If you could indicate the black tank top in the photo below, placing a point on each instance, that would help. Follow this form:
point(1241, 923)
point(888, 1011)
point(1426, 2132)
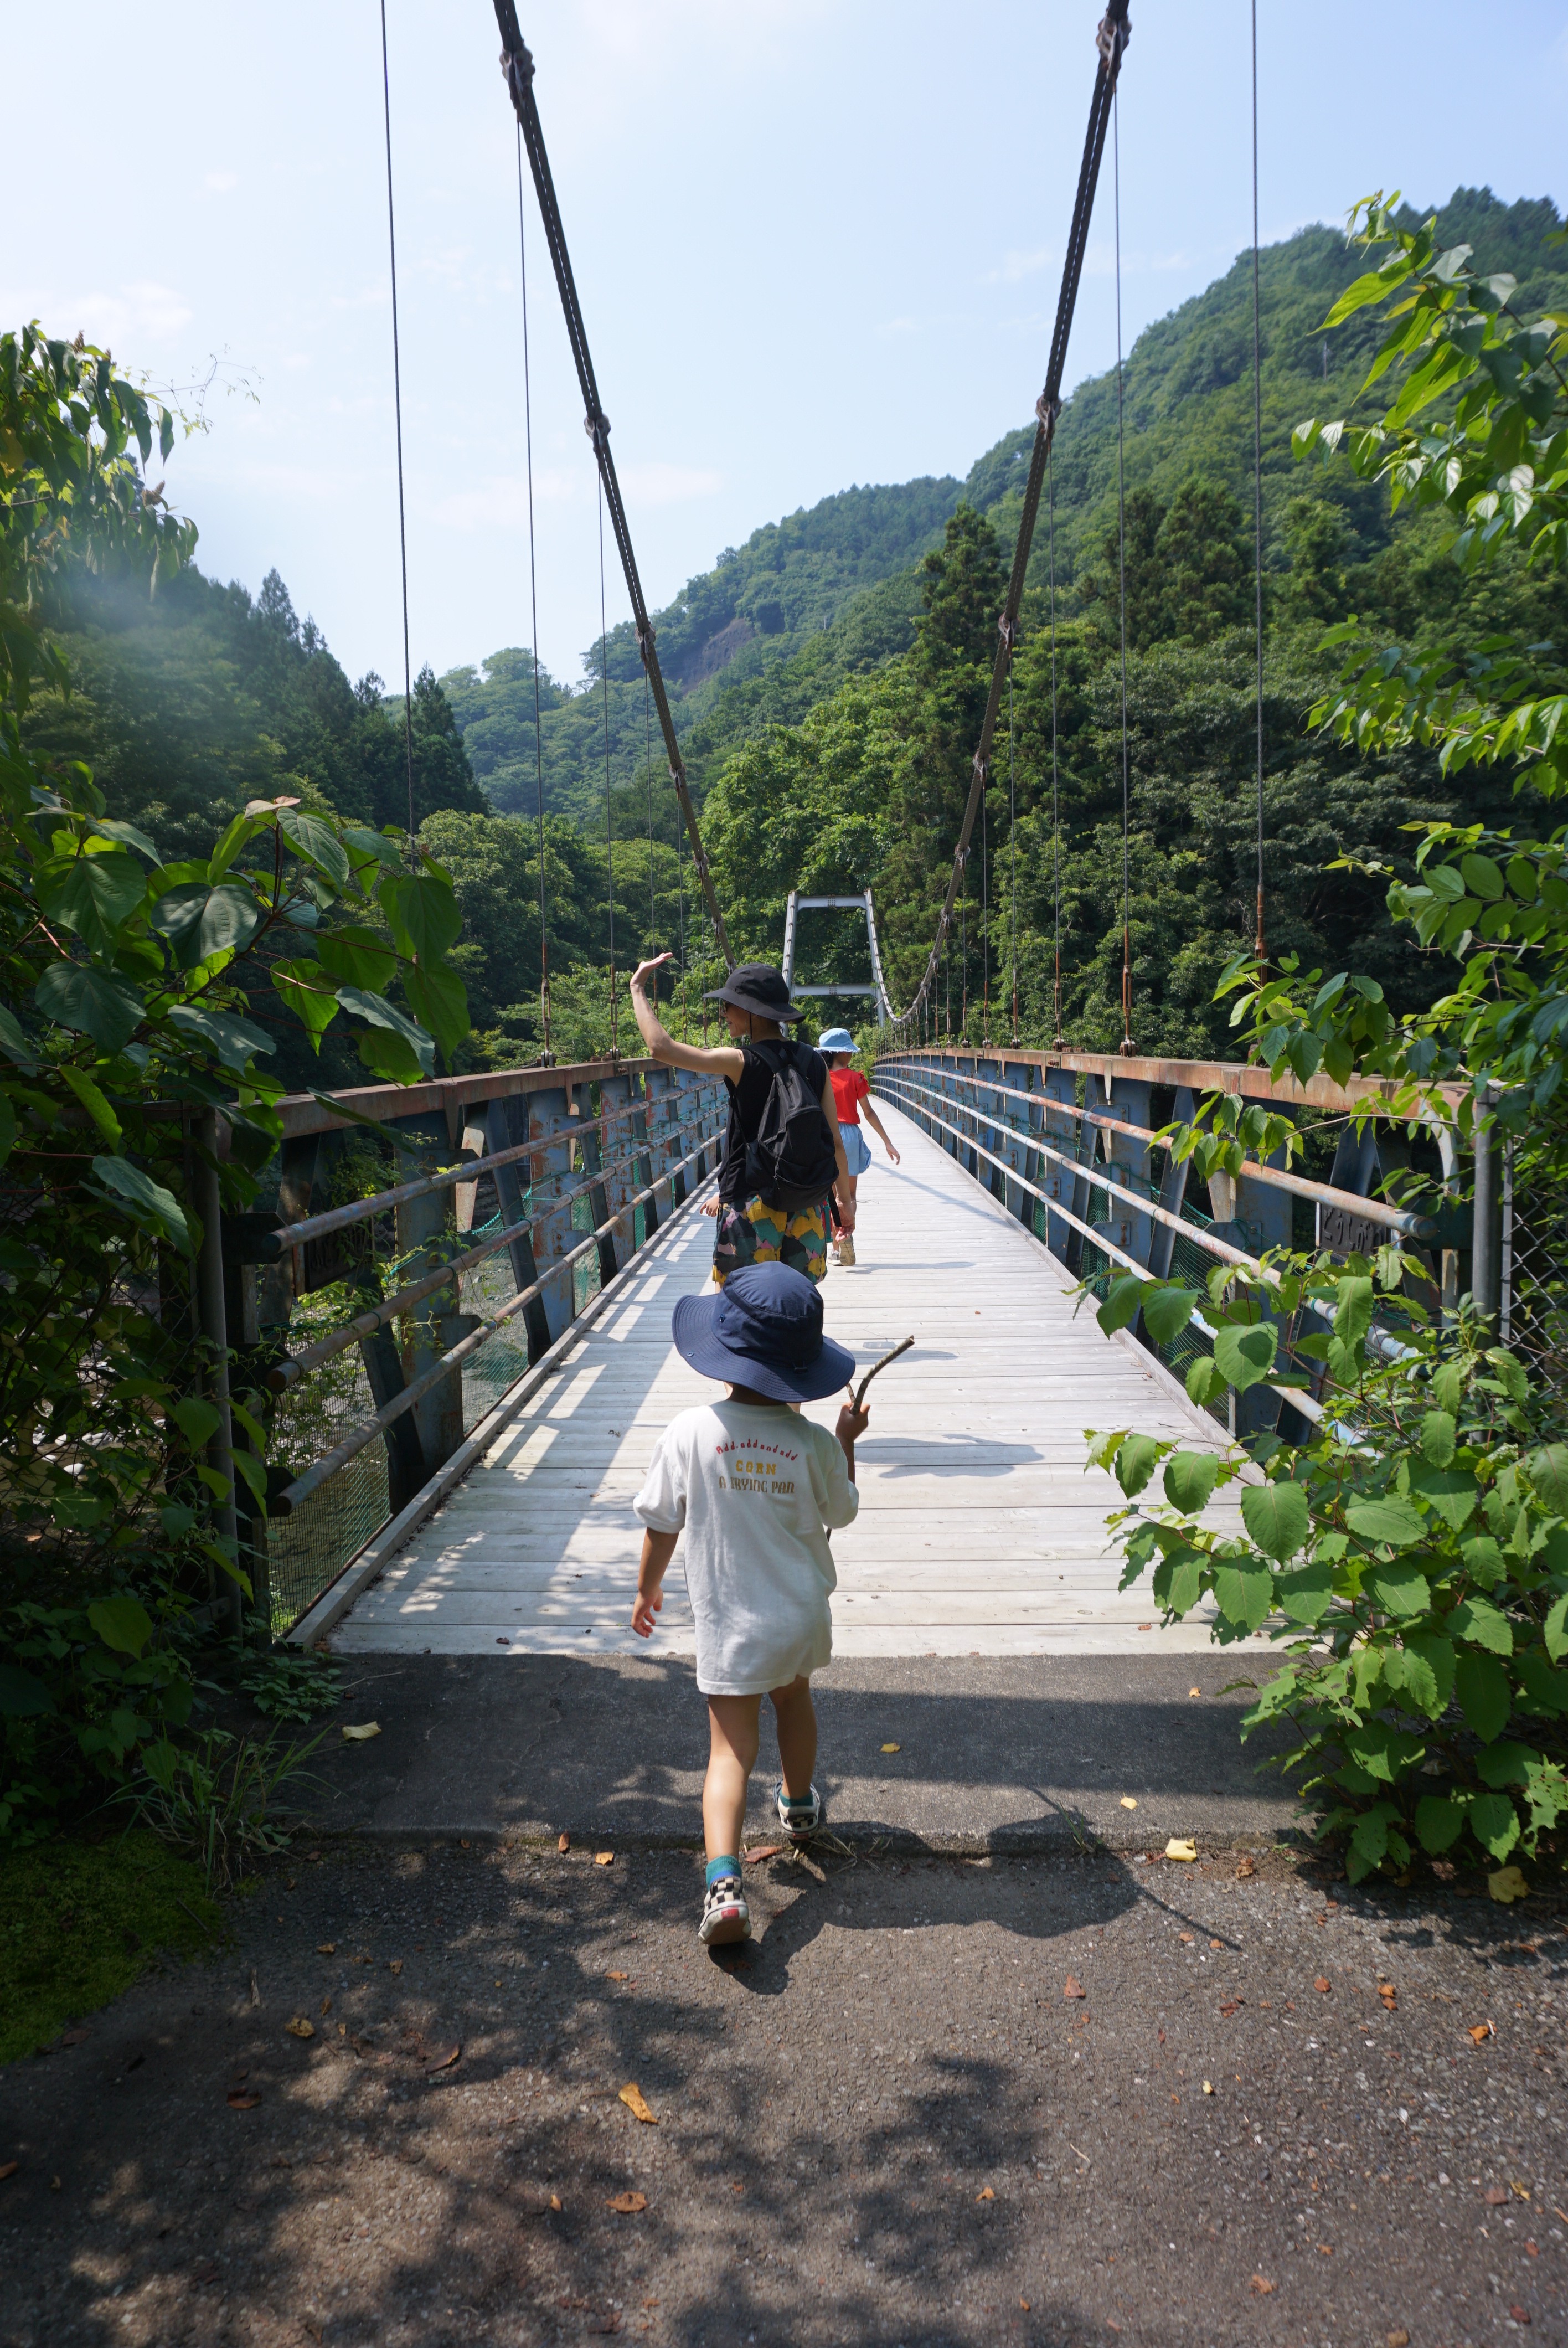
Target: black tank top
point(748, 1099)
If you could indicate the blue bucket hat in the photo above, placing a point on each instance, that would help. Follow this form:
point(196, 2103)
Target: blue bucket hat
point(764, 1330)
point(835, 1039)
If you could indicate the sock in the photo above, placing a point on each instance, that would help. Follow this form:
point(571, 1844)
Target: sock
point(727, 1865)
point(797, 1801)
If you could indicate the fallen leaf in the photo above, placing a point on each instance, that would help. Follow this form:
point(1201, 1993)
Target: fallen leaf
point(1217, 1944)
point(443, 2057)
point(1024, 2305)
point(1495, 2196)
point(241, 2101)
point(892, 1748)
point(1325, 2249)
point(565, 1843)
point(394, 1964)
point(75, 2037)
point(627, 2204)
point(985, 2194)
point(308, 2324)
point(1400, 2339)
point(1145, 1626)
point(611, 2322)
point(1481, 2030)
point(1246, 1869)
point(1520, 2314)
point(9, 2168)
point(361, 1734)
point(1181, 1847)
point(1506, 1884)
point(1195, 1691)
point(326, 1948)
point(1128, 1803)
point(300, 2028)
point(768, 1851)
point(1262, 2285)
point(636, 2103)
point(1321, 1986)
point(618, 1976)
point(555, 2201)
point(1073, 1987)
point(1208, 2088)
point(1232, 2006)
point(604, 1859)
point(1187, 1936)
point(327, 2006)
point(737, 2188)
point(1522, 2190)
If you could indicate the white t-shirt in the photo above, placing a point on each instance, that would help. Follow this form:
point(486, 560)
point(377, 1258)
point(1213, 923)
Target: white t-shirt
point(754, 1488)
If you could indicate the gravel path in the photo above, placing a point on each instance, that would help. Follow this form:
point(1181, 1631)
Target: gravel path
point(892, 2122)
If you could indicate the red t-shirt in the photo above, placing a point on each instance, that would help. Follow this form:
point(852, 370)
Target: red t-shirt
point(849, 1089)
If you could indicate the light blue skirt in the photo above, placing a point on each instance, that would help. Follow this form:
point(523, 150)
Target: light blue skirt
point(855, 1148)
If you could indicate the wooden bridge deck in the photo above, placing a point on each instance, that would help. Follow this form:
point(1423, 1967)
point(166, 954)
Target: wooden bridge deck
point(979, 1532)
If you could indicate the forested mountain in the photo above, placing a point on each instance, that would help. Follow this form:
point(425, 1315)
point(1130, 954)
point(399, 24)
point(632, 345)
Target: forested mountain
point(827, 679)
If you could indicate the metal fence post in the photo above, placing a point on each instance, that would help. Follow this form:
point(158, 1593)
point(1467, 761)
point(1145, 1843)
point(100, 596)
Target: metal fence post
point(215, 1332)
point(1486, 1253)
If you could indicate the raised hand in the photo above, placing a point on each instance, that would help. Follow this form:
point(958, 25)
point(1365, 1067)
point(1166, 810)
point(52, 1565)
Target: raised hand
point(643, 968)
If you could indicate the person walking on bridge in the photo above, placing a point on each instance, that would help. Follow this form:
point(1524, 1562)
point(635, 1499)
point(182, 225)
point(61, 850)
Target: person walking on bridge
point(784, 1151)
point(850, 1090)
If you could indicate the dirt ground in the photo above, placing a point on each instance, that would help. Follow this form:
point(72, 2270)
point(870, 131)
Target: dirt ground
point(893, 2121)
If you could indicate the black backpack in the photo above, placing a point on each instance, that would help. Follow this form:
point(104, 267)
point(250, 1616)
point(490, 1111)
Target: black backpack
point(792, 1162)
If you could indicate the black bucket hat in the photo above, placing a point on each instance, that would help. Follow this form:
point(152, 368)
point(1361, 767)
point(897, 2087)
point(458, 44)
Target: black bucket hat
point(759, 988)
point(762, 1329)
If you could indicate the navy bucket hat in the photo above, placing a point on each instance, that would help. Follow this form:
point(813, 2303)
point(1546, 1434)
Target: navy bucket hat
point(762, 1329)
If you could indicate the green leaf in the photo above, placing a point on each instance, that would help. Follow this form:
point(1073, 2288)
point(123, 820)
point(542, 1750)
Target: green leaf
point(1201, 1381)
point(1545, 1689)
point(1437, 1437)
point(200, 920)
point(235, 1042)
point(1369, 1842)
point(252, 1473)
point(1555, 1631)
point(1440, 1822)
point(196, 1420)
point(358, 957)
point(93, 1101)
point(1135, 1463)
point(1167, 1310)
point(421, 1048)
point(1548, 1471)
point(1303, 1596)
point(422, 913)
point(440, 1003)
point(94, 895)
point(1243, 1594)
point(1400, 1589)
point(90, 1002)
point(388, 1057)
point(1483, 1560)
point(1244, 1355)
point(1450, 1492)
point(1506, 1763)
point(8, 1128)
point(1437, 1653)
point(1482, 877)
point(369, 847)
point(13, 1042)
point(311, 994)
point(1190, 1477)
point(1353, 1309)
point(1121, 1305)
point(122, 1623)
point(1278, 1518)
point(1389, 1521)
point(1483, 1624)
point(1482, 1686)
point(1515, 1384)
point(112, 828)
point(243, 827)
point(23, 1697)
point(316, 841)
point(1494, 1822)
point(153, 1204)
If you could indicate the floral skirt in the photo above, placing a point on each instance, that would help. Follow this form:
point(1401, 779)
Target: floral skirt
point(753, 1234)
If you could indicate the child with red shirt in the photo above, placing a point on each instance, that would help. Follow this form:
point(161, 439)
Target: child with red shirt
point(850, 1090)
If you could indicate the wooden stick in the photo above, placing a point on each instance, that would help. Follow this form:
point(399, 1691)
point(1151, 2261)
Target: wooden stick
point(882, 1365)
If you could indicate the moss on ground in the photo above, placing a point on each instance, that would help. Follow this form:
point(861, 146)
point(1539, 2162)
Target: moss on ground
point(80, 1919)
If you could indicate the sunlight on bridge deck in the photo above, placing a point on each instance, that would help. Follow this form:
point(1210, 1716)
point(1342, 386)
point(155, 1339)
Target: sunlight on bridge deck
point(979, 1532)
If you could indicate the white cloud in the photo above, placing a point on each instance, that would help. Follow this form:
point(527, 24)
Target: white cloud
point(1016, 266)
point(223, 183)
point(137, 312)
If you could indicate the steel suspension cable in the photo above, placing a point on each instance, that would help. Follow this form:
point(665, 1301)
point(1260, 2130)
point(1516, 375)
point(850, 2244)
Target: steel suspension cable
point(548, 1054)
point(1111, 37)
point(985, 926)
point(397, 415)
point(1055, 777)
point(647, 758)
point(1122, 582)
point(1260, 946)
point(517, 69)
point(609, 818)
point(1012, 844)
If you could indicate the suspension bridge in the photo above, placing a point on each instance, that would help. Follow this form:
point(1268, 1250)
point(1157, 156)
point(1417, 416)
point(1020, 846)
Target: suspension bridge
point(452, 1470)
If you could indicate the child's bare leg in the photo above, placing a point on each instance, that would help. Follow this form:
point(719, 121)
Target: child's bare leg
point(796, 1719)
point(732, 1756)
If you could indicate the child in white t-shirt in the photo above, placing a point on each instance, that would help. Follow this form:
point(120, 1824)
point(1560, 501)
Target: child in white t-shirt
point(756, 1487)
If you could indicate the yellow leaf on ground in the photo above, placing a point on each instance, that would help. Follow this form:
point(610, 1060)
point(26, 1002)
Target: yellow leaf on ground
point(985, 2194)
point(565, 1843)
point(628, 2204)
point(300, 2027)
point(326, 1948)
point(1506, 1884)
point(892, 1748)
point(555, 2200)
point(1208, 2086)
point(1128, 1803)
point(365, 1730)
point(1181, 1847)
point(1261, 2284)
point(604, 1859)
point(1481, 2030)
point(636, 2103)
point(618, 1976)
point(1194, 1692)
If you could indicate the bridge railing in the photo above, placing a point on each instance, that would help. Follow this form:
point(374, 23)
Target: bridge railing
point(420, 1258)
point(1067, 1142)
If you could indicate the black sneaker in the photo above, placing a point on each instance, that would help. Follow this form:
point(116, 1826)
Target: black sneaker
point(726, 1915)
point(800, 1820)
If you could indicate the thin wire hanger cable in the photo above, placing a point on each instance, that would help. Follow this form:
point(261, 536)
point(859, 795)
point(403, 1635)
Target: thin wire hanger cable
point(985, 933)
point(1122, 582)
point(609, 818)
point(1013, 843)
point(1055, 772)
point(397, 413)
point(548, 1052)
point(1259, 945)
point(652, 867)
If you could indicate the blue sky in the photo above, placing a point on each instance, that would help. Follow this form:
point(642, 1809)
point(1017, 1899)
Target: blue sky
point(815, 243)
